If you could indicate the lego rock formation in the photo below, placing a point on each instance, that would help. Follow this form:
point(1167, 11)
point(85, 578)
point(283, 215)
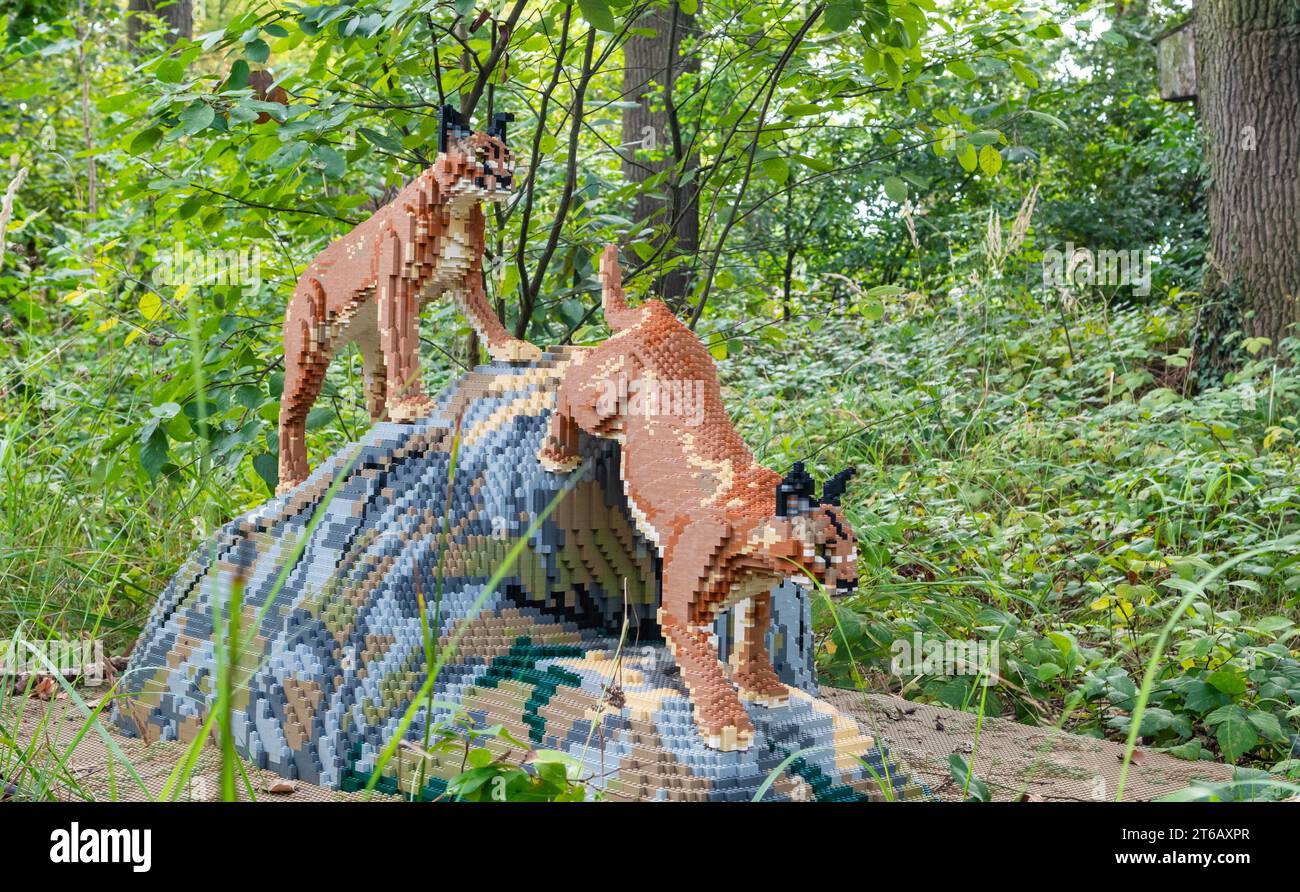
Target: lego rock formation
point(727, 528)
point(367, 287)
point(334, 653)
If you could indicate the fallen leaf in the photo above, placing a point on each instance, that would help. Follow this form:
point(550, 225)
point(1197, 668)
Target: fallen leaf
point(280, 787)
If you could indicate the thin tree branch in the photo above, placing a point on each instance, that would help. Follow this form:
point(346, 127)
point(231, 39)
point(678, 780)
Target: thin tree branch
point(753, 151)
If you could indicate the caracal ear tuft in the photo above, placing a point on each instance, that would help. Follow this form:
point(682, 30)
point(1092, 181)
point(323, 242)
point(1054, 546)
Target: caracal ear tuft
point(835, 488)
point(794, 494)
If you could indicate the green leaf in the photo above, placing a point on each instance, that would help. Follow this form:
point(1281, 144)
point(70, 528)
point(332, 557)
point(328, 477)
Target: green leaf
point(1233, 730)
point(469, 782)
point(961, 69)
point(961, 773)
point(145, 140)
point(170, 71)
point(1202, 697)
point(1267, 724)
point(1025, 75)
point(1048, 671)
point(990, 160)
point(816, 164)
point(1191, 750)
point(777, 169)
point(886, 291)
point(257, 50)
point(803, 109)
point(196, 116)
point(967, 158)
point(387, 143)
point(153, 453)
point(840, 14)
point(150, 305)
point(1051, 119)
point(1228, 681)
point(268, 468)
point(896, 189)
point(238, 79)
point(870, 62)
point(166, 411)
point(572, 767)
point(331, 162)
point(598, 13)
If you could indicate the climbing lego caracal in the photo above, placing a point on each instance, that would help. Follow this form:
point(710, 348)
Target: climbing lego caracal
point(727, 529)
point(368, 286)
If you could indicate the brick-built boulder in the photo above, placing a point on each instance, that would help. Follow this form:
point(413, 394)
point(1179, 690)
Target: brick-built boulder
point(334, 659)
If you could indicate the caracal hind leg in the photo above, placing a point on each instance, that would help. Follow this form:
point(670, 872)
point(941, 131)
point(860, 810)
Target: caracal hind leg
point(751, 664)
point(374, 376)
point(399, 333)
point(685, 618)
point(306, 359)
point(579, 407)
point(559, 452)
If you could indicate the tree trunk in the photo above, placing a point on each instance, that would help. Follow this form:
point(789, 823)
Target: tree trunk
point(1248, 76)
point(178, 14)
point(653, 141)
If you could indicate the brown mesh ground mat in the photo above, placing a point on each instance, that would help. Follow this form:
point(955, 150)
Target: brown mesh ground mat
point(1016, 761)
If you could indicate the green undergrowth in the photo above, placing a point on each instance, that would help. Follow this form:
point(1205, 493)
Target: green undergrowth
point(1056, 488)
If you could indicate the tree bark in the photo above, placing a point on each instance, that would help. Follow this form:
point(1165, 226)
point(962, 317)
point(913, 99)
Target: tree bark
point(178, 14)
point(653, 141)
point(1248, 74)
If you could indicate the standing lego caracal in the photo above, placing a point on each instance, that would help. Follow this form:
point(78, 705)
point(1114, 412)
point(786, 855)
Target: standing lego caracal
point(727, 528)
point(368, 286)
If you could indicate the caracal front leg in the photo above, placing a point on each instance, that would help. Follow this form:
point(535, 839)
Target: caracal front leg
point(306, 359)
point(686, 620)
point(473, 303)
point(399, 333)
point(751, 663)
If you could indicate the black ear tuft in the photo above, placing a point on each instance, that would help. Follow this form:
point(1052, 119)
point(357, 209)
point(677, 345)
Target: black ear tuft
point(448, 119)
point(834, 489)
point(498, 126)
point(798, 484)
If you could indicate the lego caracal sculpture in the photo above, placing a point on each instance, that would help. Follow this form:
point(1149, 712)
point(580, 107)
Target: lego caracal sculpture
point(599, 509)
point(368, 286)
point(727, 528)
